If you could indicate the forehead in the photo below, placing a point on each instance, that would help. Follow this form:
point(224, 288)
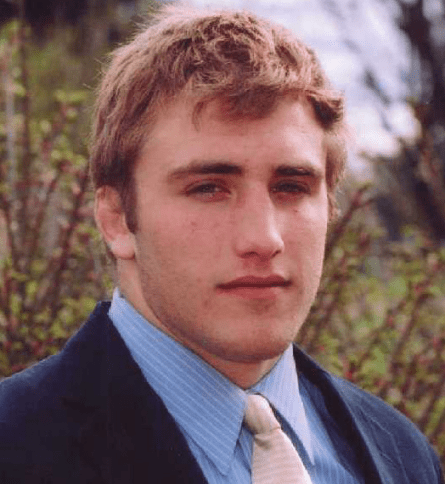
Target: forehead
point(199, 112)
point(289, 132)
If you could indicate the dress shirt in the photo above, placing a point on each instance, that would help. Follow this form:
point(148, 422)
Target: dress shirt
point(209, 409)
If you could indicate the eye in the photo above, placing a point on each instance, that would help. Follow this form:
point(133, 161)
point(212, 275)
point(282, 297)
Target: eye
point(290, 188)
point(208, 191)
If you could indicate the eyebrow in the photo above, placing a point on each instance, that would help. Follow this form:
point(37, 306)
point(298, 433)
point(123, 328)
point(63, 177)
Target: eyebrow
point(228, 168)
point(297, 170)
point(205, 168)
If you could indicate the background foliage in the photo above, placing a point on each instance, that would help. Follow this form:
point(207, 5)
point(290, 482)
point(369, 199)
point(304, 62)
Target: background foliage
point(379, 317)
point(52, 271)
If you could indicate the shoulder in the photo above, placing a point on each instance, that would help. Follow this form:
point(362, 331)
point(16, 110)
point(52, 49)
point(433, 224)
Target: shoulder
point(28, 388)
point(369, 408)
point(27, 413)
point(382, 429)
point(32, 402)
point(390, 430)
point(22, 393)
point(338, 392)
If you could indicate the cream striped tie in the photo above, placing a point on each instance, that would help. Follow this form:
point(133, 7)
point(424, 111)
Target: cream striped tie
point(274, 460)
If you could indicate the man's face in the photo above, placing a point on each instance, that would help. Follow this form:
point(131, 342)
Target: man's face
point(232, 219)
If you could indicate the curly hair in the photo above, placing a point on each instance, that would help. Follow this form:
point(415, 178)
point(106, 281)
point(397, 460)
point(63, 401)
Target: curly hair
point(245, 62)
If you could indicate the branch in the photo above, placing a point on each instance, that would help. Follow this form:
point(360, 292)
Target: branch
point(26, 159)
point(58, 266)
point(357, 203)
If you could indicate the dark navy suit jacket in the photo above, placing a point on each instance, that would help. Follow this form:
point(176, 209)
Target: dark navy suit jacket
point(87, 415)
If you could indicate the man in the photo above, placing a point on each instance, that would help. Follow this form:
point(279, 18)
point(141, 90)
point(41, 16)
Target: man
point(217, 149)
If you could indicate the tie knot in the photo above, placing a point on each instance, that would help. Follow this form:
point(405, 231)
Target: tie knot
point(259, 417)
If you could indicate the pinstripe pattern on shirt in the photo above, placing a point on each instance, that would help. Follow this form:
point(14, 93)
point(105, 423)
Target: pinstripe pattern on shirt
point(209, 409)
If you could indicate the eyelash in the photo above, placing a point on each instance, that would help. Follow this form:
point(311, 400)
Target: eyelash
point(207, 189)
point(296, 187)
point(211, 190)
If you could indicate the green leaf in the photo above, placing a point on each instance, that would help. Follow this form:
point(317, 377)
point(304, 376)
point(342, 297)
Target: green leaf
point(397, 287)
point(31, 288)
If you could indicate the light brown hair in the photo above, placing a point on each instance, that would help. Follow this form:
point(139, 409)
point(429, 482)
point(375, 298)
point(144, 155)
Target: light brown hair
point(245, 62)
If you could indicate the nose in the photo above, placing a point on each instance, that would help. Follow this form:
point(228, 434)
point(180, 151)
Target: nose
point(256, 227)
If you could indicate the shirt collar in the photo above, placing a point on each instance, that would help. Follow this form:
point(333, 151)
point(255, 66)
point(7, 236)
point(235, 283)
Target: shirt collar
point(207, 407)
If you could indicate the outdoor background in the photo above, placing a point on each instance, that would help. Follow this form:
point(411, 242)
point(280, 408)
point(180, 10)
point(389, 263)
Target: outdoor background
point(379, 319)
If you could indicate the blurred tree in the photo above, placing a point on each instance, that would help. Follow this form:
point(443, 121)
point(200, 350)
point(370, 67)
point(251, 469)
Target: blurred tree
point(415, 181)
point(51, 270)
point(95, 24)
point(41, 14)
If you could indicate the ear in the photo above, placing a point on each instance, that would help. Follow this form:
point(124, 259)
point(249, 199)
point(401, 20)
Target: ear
point(111, 221)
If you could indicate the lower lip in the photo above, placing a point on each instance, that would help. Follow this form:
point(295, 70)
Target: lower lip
point(252, 292)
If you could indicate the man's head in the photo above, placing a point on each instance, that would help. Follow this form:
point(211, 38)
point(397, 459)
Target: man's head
point(216, 154)
point(245, 62)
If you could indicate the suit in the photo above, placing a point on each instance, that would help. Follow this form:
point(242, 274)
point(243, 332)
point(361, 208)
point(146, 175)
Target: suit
point(87, 415)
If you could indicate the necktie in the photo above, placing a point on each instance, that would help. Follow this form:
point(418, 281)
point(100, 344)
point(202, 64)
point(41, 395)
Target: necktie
point(274, 460)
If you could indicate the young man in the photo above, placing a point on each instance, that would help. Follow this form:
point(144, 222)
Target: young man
point(217, 149)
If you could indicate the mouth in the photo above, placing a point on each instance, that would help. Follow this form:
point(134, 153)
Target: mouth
point(253, 287)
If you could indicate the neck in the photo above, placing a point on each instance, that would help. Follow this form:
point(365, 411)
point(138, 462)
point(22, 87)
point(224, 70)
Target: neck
point(243, 374)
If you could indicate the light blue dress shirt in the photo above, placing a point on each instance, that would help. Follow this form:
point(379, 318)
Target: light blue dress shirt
point(209, 409)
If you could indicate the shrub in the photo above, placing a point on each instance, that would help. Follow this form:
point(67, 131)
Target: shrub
point(52, 271)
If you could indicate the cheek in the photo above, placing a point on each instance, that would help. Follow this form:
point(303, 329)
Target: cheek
point(305, 243)
point(317, 225)
point(183, 241)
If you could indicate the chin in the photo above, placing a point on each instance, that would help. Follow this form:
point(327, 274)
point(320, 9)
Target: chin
point(254, 351)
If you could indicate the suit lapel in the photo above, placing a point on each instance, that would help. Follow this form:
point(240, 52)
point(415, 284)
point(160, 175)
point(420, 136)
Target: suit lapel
point(127, 434)
point(375, 448)
point(382, 450)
